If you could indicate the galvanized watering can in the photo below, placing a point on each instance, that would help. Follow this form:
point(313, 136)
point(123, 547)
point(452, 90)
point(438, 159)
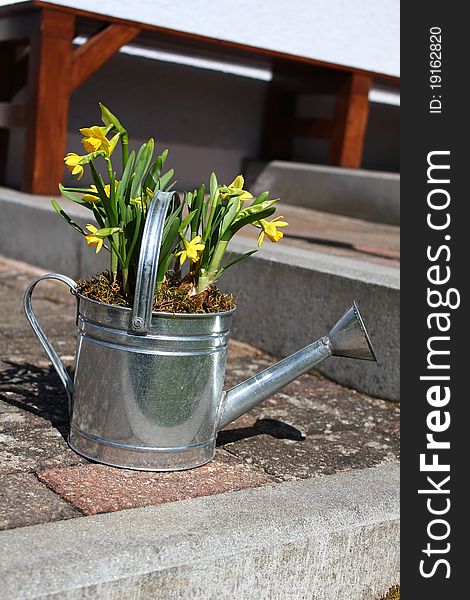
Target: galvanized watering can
point(147, 392)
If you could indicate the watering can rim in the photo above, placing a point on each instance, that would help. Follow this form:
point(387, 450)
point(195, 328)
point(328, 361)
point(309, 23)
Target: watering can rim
point(160, 313)
point(364, 330)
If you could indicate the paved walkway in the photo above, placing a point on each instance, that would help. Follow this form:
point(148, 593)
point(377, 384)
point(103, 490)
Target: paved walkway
point(312, 428)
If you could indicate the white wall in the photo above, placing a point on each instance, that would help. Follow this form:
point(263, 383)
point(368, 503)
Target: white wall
point(357, 33)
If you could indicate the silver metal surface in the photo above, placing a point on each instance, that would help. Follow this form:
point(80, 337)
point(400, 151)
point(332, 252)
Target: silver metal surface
point(148, 261)
point(148, 386)
point(51, 353)
point(348, 337)
point(148, 402)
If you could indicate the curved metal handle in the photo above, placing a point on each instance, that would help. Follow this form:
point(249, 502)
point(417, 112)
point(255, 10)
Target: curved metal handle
point(51, 353)
point(148, 261)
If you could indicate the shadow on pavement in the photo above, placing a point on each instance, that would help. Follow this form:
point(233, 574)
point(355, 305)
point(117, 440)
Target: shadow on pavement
point(37, 390)
point(272, 427)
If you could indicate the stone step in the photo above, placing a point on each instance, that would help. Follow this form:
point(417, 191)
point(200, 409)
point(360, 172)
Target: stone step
point(330, 538)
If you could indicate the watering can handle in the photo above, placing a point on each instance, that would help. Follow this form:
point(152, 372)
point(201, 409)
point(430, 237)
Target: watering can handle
point(51, 353)
point(148, 261)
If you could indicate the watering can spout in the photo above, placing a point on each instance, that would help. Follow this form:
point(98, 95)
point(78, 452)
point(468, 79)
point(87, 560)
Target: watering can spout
point(348, 338)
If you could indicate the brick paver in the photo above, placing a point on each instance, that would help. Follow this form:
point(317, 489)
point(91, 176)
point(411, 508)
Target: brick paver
point(97, 488)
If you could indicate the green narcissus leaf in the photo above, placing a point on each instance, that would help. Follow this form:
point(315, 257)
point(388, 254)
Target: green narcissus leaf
point(255, 209)
point(72, 195)
point(238, 259)
point(236, 226)
point(230, 215)
point(165, 179)
point(60, 211)
point(186, 221)
point(97, 180)
point(188, 198)
point(142, 163)
point(261, 198)
point(87, 158)
point(107, 231)
point(213, 184)
point(109, 119)
point(152, 180)
point(169, 238)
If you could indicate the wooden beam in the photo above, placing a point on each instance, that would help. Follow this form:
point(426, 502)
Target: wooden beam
point(48, 102)
point(350, 122)
point(87, 59)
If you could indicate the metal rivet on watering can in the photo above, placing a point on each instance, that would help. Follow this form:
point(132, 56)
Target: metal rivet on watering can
point(137, 322)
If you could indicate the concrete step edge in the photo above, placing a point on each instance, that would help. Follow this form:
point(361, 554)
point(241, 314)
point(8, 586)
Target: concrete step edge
point(329, 538)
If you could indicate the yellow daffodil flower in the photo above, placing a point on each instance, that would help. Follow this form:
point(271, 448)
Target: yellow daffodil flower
point(136, 201)
point(92, 239)
point(95, 139)
point(192, 250)
point(235, 189)
point(270, 229)
point(96, 236)
point(72, 163)
point(92, 198)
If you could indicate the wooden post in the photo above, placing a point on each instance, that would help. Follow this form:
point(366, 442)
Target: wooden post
point(350, 122)
point(49, 87)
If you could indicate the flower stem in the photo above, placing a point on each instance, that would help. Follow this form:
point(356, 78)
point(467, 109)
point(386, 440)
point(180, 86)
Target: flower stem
point(125, 281)
point(206, 279)
point(125, 149)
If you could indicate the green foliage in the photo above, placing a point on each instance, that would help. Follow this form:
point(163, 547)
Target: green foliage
point(198, 228)
point(119, 206)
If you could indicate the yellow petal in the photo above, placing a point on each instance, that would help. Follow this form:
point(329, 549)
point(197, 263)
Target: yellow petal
point(78, 170)
point(71, 158)
point(112, 143)
point(91, 144)
point(91, 239)
point(93, 131)
point(91, 228)
point(237, 183)
point(91, 198)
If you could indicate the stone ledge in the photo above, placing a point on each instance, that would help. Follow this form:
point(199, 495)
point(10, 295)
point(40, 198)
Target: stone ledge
point(329, 538)
point(364, 194)
point(288, 296)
